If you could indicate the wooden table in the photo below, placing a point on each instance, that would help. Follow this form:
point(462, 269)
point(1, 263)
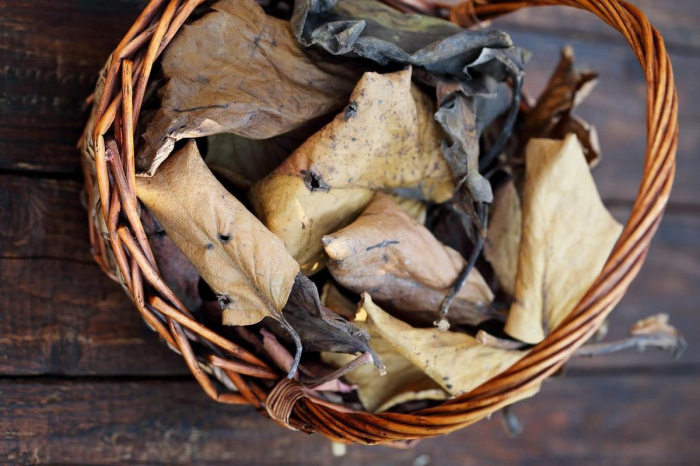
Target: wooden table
point(82, 380)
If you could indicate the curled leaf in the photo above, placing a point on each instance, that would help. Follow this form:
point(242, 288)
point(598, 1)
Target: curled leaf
point(567, 235)
point(390, 255)
point(237, 70)
point(552, 117)
point(321, 329)
point(652, 332)
point(385, 139)
point(243, 263)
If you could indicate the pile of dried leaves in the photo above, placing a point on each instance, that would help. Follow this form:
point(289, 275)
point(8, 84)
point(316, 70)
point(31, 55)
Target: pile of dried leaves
point(291, 168)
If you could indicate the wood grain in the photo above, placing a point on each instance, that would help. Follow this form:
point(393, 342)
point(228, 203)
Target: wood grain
point(620, 420)
point(42, 218)
point(64, 317)
point(51, 52)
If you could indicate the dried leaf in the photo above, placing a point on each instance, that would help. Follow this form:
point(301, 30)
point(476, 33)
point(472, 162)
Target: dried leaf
point(237, 70)
point(321, 329)
point(413, 207)
point(375, 31)
point(336, 301)
point(651, 332)
point(385, 139)
point(502, 244)
point(242, 161)
point(390, 255)
point(567, 235)
point(456, 361)
point(175, 269)
point(553, 118)
point(245, 264)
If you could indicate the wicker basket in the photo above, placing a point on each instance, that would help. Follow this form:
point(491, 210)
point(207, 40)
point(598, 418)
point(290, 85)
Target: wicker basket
point(110, 179)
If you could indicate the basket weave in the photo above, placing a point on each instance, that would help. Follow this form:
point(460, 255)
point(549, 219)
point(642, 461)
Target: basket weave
point(123, 247)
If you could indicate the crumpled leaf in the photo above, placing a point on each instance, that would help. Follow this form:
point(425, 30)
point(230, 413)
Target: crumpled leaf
point(403, 381)
point(456, 361)
point(175, 269)
point(370, 29)
point(389, 254)
point(552, 117)
point(237, 70)
point(321, 329)
point(385, 139)
point(567, 235)
point(502, 243)
point(243, 263)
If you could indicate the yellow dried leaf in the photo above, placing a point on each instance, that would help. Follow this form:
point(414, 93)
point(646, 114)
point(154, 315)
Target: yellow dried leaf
point(502, 243)
point(385, 139)
point(456, 361)
point(567, 235)
point(245, 264)
point(413, 207)
point(389, 254)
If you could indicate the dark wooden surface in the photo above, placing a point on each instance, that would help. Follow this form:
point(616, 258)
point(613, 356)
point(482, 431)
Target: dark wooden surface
point(82, 380)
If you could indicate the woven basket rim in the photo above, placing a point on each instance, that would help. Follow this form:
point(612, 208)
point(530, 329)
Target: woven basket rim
point(123, 250)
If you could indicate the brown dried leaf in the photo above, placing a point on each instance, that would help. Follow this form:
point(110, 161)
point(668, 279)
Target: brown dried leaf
point(333, 299)
point(386, 138)
point(552, 117)
point(502, 243)
point(456, 361)
point(175, 269)
point(239, 71)
point(567, 235)
point(245, 264)
point(390, 255)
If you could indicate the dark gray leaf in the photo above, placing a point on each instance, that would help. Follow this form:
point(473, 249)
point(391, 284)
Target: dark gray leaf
point(321, 329)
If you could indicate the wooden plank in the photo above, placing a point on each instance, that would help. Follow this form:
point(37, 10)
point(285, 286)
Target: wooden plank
point(42, 218)
point(45, 80)
point(610, 420)
point(51, 51)
point(63, 317)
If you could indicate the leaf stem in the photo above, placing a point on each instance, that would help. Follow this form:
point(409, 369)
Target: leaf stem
point(442, 323)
